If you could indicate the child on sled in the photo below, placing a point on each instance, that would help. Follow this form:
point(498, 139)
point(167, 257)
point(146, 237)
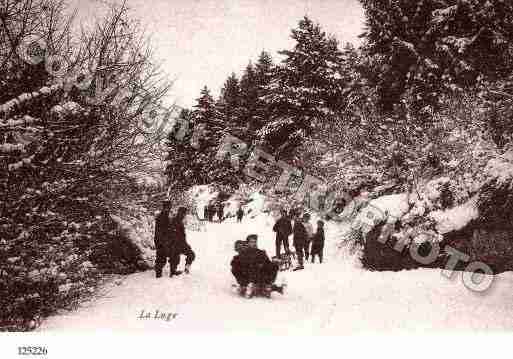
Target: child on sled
point(254, 271)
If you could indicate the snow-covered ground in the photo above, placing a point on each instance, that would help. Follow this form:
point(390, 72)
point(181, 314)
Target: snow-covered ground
point(335, 297)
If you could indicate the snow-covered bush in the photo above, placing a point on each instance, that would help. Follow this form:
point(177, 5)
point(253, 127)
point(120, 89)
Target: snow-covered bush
point(496, 194)
point(66, 159)
point(480, 227)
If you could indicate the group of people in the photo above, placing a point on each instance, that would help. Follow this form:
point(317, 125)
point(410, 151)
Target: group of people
point(211, 209)
point(306, 242)
point(251, 266)
point(170, 241)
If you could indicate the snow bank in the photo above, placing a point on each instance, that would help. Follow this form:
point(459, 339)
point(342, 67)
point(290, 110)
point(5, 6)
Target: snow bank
point(455, 218)
point(140, 233)
point(389, 208)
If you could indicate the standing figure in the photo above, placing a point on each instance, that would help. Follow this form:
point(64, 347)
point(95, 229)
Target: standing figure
point(163, 239)
point(318, 242)
point(179, 244)
point(299, 240)
point(283, 229)
point(205, 213)
point(220, 211)
point(309, 231)
point(211, 212)
point(240, 214)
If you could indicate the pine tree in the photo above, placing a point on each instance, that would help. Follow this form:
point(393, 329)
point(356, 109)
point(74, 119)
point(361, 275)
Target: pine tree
point(229, 103)
point(264, 72)
point(249, 92)
point(426, 47)
point(192, 159)
point(307, 86)
point(205, 108)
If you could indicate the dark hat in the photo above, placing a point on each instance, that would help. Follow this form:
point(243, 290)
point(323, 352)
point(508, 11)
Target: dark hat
point(240, 245)
point(251, 236)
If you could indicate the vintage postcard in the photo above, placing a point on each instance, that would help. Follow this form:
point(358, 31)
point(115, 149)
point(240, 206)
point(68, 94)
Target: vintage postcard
point(306, 168)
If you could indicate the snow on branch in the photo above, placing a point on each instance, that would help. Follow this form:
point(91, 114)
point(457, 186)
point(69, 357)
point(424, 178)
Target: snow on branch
point(27, 96)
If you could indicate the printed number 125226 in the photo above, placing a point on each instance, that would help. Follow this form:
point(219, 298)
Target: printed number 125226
point(32, 351)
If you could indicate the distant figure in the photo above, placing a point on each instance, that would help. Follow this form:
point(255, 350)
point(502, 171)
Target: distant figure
point(240, 214)
point(283, 229)
point(220, 211)
point(179, 244)
point(163, 239)
point(211, 212)
point(309, 231)
point(299, 240)
point(205, 213)
point(318, 242)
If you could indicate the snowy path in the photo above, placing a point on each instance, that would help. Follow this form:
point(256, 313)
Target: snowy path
point(335, 297)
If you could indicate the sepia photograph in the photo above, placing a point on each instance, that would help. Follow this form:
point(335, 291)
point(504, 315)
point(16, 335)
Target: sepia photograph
point(287, 168)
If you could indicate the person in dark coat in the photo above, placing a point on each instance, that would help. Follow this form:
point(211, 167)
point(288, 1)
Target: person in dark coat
point(309, 230)
point(205, 213)
point(163, 239)
point(211, 212)
point(179, 243)
point(220, 211)
point(318, 242)
point(252, 265)
point(283, 229)
point(240, 214)
point(299, 241)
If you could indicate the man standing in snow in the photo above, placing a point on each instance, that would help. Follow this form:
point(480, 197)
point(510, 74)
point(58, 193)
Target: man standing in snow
point(211, 212)
point(220, 211)
point(162, 239)
point(318, 242)
point(240, 214)
point(310, 233)
point(283, 229)
point(179, 243)
point(205, 213)
point(300, 239)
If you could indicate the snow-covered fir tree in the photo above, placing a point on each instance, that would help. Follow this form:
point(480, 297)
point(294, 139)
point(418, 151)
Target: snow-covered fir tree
point(229, 103)
point(426, 47)
point(306, 86)
point(192, 158)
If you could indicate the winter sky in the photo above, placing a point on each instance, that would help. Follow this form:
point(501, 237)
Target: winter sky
point(200, 42)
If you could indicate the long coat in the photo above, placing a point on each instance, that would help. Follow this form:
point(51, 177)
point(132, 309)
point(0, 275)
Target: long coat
point(300, 235)
point(178, 240)
point(318, 241)
point(250, 261)
point(283, 227)
point(163, 233)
